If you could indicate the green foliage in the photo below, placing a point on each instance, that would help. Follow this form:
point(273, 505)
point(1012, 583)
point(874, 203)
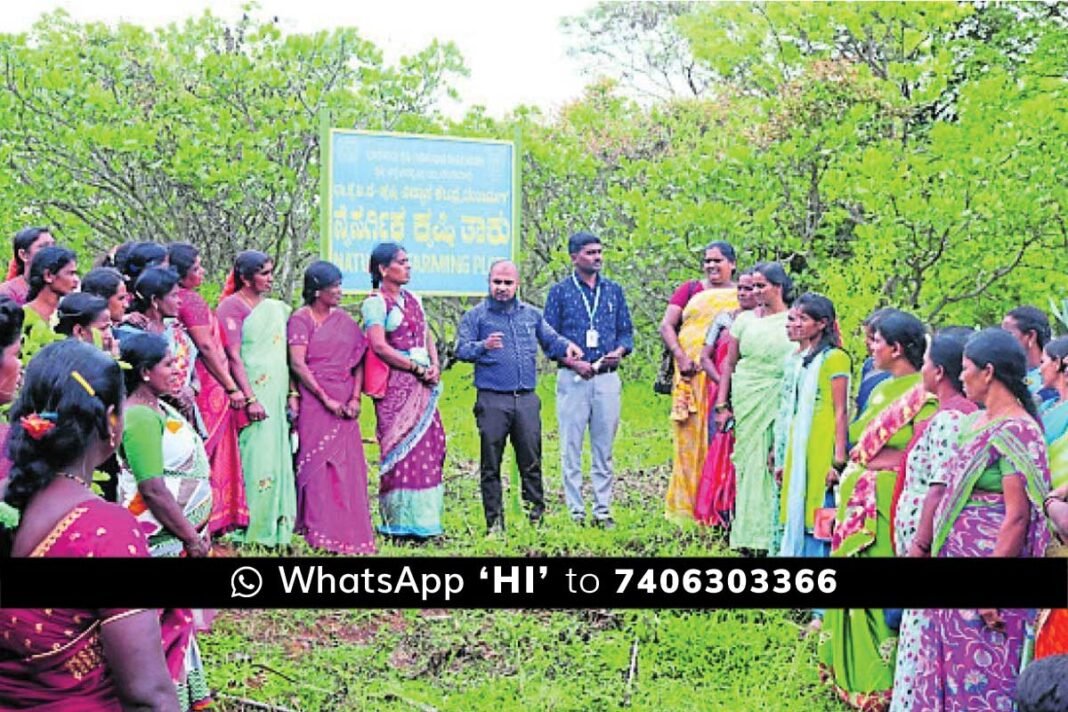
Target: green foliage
point(202, 131)
point(889, 153)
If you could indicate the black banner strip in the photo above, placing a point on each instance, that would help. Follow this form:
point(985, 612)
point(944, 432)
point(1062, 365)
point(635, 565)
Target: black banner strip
point(574, 583)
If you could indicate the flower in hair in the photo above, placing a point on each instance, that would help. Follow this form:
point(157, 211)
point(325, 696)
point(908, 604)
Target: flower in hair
point(37, 425)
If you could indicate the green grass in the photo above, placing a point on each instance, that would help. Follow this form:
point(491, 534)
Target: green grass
point(526, 660)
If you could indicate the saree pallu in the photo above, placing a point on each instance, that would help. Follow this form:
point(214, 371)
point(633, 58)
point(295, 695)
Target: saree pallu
point(185, 357)
point(858, 648)
point(809, 451)
point(755, 388)
point(332, 503)
point(691, 400)
point(963, 664)
point(186, 474)
point(229, 509)
point(266, 453)
point(715, 490)
point(411, 439)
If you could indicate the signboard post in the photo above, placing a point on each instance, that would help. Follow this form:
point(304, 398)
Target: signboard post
point(451, 203)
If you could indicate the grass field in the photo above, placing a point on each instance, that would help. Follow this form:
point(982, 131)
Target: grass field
point(526, 660)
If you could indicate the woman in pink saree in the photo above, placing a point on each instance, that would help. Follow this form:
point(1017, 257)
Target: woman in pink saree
point(219, 399)
point(326, 349)
point(714, 504)
point(66, 421)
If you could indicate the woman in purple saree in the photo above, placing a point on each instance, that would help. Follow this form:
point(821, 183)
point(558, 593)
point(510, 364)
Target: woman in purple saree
point(326, 349)
point(411, 438)
point(991, 505)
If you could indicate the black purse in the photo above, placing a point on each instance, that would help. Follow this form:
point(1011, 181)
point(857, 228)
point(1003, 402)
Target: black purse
point(665, 373)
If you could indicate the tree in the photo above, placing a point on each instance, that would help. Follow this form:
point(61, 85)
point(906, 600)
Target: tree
point(204, 131)
point(639, 44)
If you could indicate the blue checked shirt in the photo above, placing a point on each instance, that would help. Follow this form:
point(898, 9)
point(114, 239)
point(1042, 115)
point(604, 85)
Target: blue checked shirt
point(513, 367)
point(566, 312)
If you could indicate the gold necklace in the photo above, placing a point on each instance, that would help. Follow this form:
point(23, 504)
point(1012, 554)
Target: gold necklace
point(77, 479)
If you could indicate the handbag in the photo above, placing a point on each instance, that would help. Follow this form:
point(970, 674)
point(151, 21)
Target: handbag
point(665, 373)
point(375, 375)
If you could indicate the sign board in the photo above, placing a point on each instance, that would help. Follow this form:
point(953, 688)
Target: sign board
point(451, 203)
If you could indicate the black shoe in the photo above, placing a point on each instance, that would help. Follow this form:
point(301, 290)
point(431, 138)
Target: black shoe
point(605, 523)
point(579, 519)
point(536, 518)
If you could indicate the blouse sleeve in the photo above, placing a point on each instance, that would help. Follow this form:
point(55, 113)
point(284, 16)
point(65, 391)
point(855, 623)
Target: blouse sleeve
point(837, 364)
point(298, 330)
point(142, 443)
point(194, 310)
point(681, 297)
point(374, 312)
point(232, 319)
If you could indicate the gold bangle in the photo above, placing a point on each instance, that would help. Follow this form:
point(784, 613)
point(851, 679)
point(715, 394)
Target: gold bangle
point(250, 400)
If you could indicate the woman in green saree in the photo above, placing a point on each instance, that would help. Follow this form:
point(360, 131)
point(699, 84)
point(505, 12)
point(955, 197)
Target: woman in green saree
point(857, 646)
point(255, 329)
point(752, 380)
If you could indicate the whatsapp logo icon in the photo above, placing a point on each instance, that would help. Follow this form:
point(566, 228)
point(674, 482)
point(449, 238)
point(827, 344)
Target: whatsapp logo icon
point(245, 582)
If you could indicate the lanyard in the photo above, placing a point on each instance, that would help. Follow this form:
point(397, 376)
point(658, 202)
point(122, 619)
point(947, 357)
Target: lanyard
point(590, 311)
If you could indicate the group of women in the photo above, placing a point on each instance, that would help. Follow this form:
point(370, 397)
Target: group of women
point(947, 454)
point(238, 421)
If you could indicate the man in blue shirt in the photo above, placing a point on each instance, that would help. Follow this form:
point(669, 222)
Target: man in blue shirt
point(590, 311)
point(501, 336)
point(1030, 327)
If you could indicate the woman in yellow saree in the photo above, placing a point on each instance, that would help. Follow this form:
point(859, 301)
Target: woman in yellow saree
point(692, 309)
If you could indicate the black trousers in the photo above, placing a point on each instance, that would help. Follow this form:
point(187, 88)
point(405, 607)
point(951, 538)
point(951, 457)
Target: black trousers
point(500, 417)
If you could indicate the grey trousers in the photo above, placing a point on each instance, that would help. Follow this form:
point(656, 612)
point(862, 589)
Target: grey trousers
point(580, 406)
